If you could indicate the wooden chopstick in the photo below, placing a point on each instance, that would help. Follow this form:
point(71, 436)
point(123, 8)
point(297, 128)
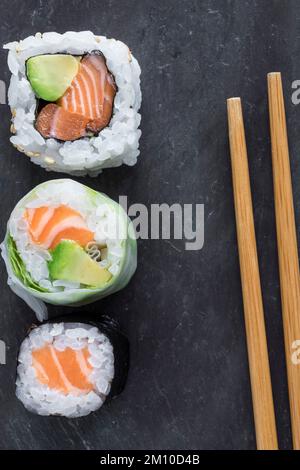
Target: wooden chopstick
point(263, 407)
point(287, 244)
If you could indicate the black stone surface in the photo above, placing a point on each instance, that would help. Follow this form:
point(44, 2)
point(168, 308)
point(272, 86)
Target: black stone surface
point(188, 386)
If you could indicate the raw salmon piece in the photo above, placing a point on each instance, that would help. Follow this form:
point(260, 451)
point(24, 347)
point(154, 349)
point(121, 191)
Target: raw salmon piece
point(65, 371)
point(58, 123)
point(49, 225)
point(91, 93)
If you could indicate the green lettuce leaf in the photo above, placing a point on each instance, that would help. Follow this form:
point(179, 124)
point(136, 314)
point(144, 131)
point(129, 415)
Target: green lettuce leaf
point(19, 268)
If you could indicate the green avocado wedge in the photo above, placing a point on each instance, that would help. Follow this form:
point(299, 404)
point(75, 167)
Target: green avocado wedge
point(50, 75)
point(71, 263)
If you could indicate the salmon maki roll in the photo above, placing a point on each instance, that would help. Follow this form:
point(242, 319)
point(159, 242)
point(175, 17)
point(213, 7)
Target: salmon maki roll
point(71, 368)
point(67, 245)
point(75, 105)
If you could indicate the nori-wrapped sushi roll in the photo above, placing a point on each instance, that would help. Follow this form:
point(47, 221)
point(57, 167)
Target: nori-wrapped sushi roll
point(70, 367)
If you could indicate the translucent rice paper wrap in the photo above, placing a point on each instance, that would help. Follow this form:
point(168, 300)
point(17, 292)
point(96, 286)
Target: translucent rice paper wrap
point(80, 296)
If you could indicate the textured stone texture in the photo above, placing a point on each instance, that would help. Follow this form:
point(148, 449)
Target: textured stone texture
point(188, 386)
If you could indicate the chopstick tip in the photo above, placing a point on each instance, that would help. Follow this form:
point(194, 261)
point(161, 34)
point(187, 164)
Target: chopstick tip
point(235, 98)
point(274, 74)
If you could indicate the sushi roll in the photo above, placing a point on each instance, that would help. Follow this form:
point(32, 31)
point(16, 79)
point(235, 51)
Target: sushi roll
point(74, 99)
point(70, 368)
point(67, 244)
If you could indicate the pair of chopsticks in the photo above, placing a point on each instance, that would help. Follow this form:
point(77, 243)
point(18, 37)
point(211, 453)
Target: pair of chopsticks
point(263, 406)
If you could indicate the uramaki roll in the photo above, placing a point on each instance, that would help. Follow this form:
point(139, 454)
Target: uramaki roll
point(75, 99)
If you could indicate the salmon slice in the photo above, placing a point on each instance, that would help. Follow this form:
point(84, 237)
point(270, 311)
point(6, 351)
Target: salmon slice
point(91, 93)
point(65, 371)
point(58, 123)
point(49, 225)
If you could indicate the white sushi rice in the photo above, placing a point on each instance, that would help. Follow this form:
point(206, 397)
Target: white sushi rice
point(102, 219)
point(116, 144)
point(38, 397)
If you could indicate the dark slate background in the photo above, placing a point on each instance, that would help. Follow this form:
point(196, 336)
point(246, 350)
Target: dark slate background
point(188, 386)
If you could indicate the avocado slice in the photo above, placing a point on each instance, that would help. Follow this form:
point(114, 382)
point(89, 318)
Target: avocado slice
point(71, 263)
point(51, 74)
